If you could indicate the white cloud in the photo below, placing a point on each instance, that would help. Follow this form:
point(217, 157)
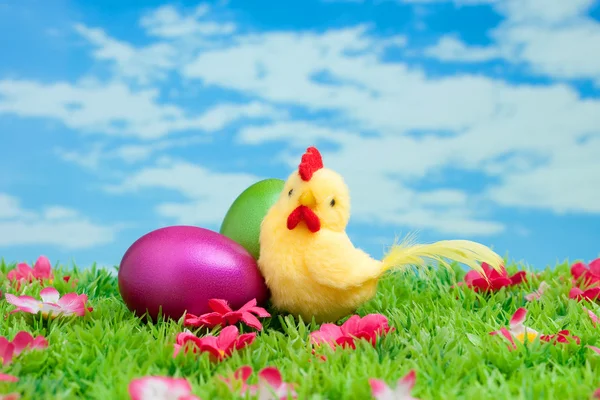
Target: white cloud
point(143, 64)
point(554, 39)
point(54, 226)
point(168, 22)
point(489, 119)
point(450, 48)
point(515, 133)
point(114, 108)
point(209, 194)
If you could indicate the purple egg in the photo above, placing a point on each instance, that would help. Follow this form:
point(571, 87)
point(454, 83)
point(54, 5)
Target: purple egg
point(179, 268)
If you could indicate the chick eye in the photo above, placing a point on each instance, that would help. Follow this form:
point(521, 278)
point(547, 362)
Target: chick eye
point(332, 202)
point(290, 192)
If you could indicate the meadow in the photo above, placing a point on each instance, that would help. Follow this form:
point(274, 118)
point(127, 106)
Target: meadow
point(437, 329)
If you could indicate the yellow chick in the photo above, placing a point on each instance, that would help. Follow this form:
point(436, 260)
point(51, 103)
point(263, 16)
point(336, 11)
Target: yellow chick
point(308, 261)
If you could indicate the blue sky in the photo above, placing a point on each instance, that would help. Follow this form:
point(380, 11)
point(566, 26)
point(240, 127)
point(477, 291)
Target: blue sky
point(475, 119)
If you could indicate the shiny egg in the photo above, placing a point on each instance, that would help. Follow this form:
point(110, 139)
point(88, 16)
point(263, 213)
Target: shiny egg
point(179, 268)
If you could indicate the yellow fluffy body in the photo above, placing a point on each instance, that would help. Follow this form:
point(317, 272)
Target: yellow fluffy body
point(322, 275)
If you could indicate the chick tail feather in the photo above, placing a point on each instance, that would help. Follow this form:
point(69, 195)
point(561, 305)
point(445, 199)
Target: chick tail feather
point(463, 251)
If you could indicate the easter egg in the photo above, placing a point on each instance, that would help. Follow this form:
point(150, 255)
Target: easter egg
point(242, 221)
point(179, 268)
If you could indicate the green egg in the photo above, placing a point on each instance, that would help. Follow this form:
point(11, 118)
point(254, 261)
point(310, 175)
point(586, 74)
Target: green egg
point(243, 219)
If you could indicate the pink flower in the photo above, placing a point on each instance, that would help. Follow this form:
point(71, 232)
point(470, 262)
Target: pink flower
point(523, 333)
point(219, 347)
point(224, 315)
point(538, 293)
point(52, 305)
point(22, 341)
point(493, 280)
point(587, 275)
point(590, 294)
point(8, 378)
point(381, 391)
point(270, 384)
point(592, 316)
point(368, 327)
point(23, 272)
point(161, 388)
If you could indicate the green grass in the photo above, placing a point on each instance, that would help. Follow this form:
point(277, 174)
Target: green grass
point(441, 332)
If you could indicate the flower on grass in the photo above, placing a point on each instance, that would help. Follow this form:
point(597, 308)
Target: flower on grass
point(52, 304)
point(587, 275)
point(521, 333)
point(224, 315)
point(535, 295)
point(219, 347)
point(22, 341)
point(493, 280)
point(381, 391)
point(369, 327)
point(270, 384)
point(161, 388)
point(590, 294)
point(42, 269)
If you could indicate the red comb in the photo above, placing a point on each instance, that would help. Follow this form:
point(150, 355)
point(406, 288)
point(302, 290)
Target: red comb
point(311, 162)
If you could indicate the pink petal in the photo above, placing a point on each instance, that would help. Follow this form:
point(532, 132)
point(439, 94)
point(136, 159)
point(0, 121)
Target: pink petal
point(243, 373)
point(409, 380)
point(575, 293)
point(596, 394)
point(518, 317)
point(245, 340)
point(591, 294)
point(373, 323)
point(260, 312)
point(192, 320)
point(148, 388)
point(596, 349)
point(8, 378)
point(227, 338)
point(251, 321)
point(471, 276)
point(481, 284)
point(212, 319)
point(72, 303)
point(380, 390)
point(593, 316)
point(595, 267)
point(493, 274)
point(7, 350)
point(219, 305)
point(498, 283)
point(21, 340)
point(350, 327)
point(249, 305)
point(24, 303)
point(578, 270)
point(42, 268)
point(518, 277)
point(271, 375)
point(344, 342)
point(505, 332)
point(326, 334)
point(22, 271)
point(49, 295)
